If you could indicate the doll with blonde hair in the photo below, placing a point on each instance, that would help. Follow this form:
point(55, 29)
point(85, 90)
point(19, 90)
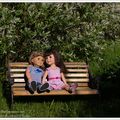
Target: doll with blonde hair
point(34, 73)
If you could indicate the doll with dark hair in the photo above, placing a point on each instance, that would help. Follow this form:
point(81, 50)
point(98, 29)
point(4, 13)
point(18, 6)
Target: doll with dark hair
point(34, 73)
point(55, 71)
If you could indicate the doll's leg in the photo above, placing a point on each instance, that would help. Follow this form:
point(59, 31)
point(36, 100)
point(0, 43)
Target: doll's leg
point(42, 88)
point(73, 86)
point(33, 85)
point(38, 87)
point(49, 88)
point(67, 88)
point(29, 88)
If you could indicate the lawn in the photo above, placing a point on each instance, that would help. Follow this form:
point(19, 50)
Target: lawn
point(61, 106)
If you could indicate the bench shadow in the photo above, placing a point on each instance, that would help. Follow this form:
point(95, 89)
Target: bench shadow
point(57, 98)
point(6, 92)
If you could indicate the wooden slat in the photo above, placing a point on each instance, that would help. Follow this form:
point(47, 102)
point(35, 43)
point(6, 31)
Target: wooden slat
point(25, 64)
point(67, 79)
point(76, 75)
point(87, 91)
point(67, 75)
point(68, 64)
point(18, 85)
point(77, 70)
point(83, 84)
point(19, 80)
point(23, 85)
point(23, 69)
point(17, 75)
point(69, 70)
point(78, 63)
point(17, 70)
point(77, 66)
point(77, 79)
point(22, 65)
point(18, 64)
point(79, 91)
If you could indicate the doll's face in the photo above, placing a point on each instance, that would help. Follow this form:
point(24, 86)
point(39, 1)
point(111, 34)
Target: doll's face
point(38, 61)
point(50, 59)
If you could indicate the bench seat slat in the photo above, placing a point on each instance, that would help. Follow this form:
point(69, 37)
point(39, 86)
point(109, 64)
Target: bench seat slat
point(23, 88)
point(18, 85)
point(79, 91)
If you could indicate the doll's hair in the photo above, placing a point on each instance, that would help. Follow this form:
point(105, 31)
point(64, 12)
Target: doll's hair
point(35, 54)
point(58, 59)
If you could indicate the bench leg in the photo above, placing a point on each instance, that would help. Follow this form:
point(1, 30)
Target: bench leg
point(10, 99)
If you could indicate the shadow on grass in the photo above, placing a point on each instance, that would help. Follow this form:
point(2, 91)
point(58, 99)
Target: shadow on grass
point(57, 98)
point(84, 106)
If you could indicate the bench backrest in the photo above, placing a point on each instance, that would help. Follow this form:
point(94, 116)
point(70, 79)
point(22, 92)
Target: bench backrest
point(77, 72)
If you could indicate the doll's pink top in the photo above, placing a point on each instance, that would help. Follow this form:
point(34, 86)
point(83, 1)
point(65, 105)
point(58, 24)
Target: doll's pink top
point(54, 78)
point(53, 73)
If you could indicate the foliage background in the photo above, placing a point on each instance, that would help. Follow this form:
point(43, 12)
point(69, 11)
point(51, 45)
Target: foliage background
point(80, 31)
point(77, 30)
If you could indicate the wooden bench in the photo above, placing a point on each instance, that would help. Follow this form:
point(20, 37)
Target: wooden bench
point(77, 73)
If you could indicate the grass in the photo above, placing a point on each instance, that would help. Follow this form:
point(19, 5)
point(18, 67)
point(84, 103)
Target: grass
point(79, 106)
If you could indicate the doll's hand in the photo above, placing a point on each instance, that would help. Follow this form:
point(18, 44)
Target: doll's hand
point(66, 85)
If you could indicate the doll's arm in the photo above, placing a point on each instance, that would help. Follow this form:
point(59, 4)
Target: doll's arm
point(28, 75)
point(63, 78)
point(44, 80)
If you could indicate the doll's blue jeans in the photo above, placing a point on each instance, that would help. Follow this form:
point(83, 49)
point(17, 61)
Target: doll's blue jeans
point(37, 86)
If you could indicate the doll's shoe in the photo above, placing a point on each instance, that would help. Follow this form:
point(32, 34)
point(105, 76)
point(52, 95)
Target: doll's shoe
point(70, 90)
point(31, 90)
point(48, 90)
point(38, 89)
point(33, 85)
point(44, 87)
